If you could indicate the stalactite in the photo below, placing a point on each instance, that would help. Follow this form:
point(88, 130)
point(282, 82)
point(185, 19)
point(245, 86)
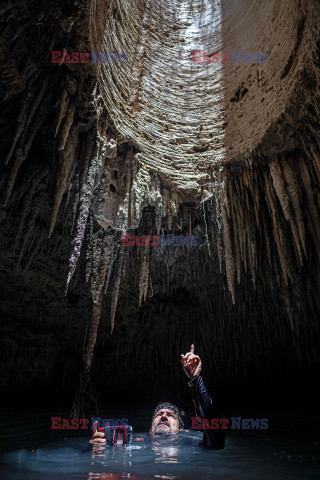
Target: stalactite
point(228, 249)
point(219, 250)
point(279, 186)
point(64, 102)
point(252, 249)
point(295, 197)
point(85, 201)
point(116, 288)
point(87, 358)
point(114, 248)
point(316, 158)
point(236, 242)
point(144, 274)
point(256, 203)
point(104, 244)
point(271, 200)
point(308, 153)
point(265, 235)
point(89, 152)
point(104, 250)
point(21, 153)
point(65, 131)
point(67, 163)
point(38, 98)
point(311, 211)
point(75, 203)
point(22, 118)
point(99, 264)
point(89, 250)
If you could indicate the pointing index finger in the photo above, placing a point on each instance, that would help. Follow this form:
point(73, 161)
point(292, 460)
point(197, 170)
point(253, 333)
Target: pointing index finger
point(192, 348)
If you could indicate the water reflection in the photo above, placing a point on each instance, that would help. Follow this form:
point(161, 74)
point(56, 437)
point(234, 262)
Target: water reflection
point(119, 476)
point(117, 455)
point(166, 448)
point(97, 451)
point(112, 476)
point(166, 477)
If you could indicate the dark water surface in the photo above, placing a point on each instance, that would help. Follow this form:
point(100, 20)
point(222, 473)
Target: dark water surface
point(289, 449)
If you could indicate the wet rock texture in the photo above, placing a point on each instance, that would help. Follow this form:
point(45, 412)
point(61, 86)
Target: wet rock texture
point(226, 151)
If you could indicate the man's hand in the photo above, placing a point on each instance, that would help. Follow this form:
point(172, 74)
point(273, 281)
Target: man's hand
point(191, 364)
point(97, 437)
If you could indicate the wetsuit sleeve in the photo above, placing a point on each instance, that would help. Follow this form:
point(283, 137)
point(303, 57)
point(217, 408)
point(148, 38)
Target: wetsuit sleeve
point(205, 409)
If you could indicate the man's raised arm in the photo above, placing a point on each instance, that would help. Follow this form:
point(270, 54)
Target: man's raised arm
point(192, 366)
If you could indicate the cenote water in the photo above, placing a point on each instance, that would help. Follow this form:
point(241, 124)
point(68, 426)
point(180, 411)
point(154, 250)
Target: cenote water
point(289, 449)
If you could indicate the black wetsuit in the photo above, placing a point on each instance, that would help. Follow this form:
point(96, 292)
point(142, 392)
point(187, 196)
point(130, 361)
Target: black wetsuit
point(205, 409)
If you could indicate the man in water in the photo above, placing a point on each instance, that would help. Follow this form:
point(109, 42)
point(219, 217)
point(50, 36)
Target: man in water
point(167, 419)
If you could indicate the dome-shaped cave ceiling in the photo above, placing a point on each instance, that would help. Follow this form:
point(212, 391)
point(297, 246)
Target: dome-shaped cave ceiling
point(187, 120)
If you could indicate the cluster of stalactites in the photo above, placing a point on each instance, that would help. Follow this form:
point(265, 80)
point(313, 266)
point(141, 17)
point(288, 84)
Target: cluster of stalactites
point(111, 201)
point(260, 208)
point(113, 187)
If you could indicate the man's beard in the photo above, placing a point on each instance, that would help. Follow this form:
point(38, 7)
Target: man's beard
point(162, 428)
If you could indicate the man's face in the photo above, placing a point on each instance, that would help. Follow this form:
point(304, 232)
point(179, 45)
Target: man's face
point(165, 422)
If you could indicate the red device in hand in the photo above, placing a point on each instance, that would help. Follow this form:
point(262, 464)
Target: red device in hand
point(119, 435)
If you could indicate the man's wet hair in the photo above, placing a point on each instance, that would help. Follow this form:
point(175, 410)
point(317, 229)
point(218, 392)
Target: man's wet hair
point(170, 406)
